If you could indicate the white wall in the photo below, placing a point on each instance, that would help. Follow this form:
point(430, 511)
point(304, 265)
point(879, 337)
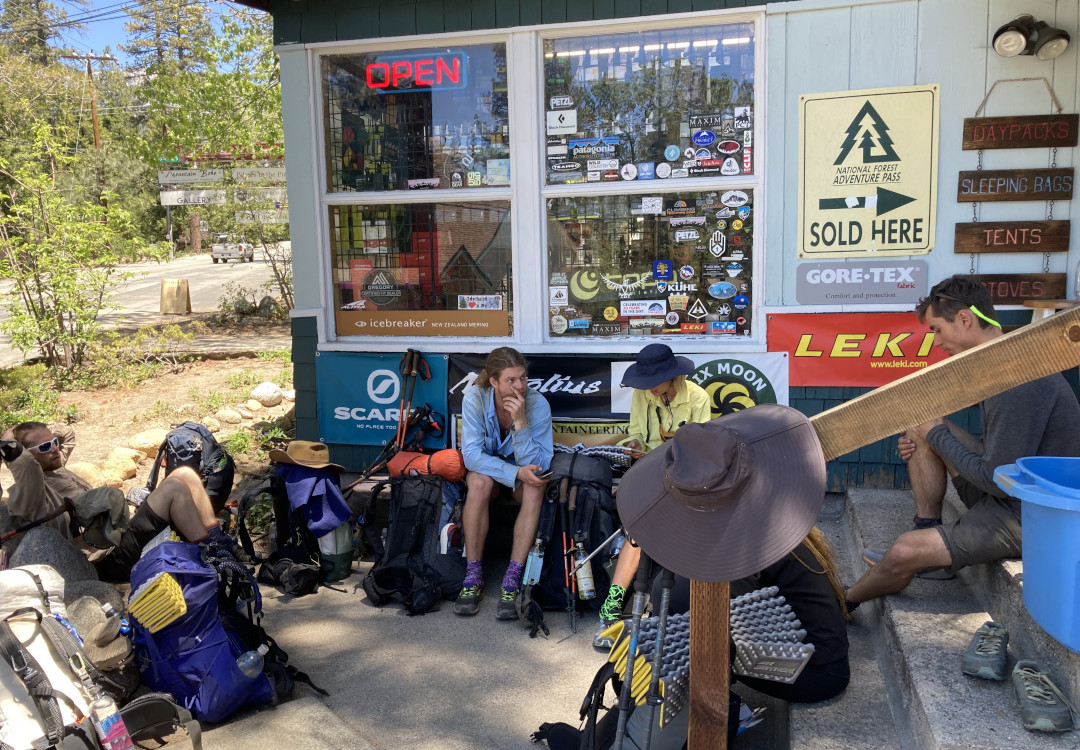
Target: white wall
point(817, 46)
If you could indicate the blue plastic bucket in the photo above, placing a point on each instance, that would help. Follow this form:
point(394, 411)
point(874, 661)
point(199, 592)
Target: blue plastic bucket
point(1049, 488)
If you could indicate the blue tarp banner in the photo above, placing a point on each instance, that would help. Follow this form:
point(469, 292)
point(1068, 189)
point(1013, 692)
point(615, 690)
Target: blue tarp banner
point(359, 396)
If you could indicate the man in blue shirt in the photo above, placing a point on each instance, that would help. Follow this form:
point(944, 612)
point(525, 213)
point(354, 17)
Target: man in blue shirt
point(506, 442)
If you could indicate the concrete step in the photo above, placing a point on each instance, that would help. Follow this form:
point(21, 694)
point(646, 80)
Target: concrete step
point(1000, 588)
point(861, 716)
point(924, 632)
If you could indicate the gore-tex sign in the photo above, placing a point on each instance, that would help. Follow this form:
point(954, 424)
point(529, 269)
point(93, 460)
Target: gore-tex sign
point(396, 74)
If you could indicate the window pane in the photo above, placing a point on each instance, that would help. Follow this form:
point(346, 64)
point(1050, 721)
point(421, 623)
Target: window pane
point(650, 105)
point(437, 269)
point(416, 119)
point(679, 263)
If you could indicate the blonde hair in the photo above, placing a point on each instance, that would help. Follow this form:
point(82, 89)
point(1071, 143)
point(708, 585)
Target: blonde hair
point(823, 553)
point(497, 361)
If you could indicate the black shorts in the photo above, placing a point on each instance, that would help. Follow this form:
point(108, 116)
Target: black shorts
point(989, 530)
point(144, 526)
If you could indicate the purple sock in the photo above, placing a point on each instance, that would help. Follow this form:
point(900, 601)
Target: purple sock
point(512, 579)
point(474, 574)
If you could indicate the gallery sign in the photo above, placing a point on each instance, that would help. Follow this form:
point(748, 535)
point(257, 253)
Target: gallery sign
point(868, 172)
point(861, 283)
point(844, 349)
point(192, 197)
point(359, 396)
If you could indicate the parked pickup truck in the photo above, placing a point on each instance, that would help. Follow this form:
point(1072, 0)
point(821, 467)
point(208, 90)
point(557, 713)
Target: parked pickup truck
point(224, 249)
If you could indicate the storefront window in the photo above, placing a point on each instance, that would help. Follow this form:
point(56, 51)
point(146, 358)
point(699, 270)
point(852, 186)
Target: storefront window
point(651, 264)
point(650, 105)
point(436, 269)
point(417, 119)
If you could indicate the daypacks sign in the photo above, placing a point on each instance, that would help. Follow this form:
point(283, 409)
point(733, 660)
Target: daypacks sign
point(575, 387)
point(844, 349)
point(359, 396)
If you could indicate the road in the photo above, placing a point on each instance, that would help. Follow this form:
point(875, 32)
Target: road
point(137, 301)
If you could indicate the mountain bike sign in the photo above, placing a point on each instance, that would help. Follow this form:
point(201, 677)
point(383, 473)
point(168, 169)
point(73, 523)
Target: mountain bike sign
point(868, 172)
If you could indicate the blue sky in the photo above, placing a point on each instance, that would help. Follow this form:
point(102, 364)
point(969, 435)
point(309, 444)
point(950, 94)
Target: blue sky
point(103, 25)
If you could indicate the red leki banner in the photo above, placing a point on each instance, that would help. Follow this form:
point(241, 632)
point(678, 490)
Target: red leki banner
point(852, 349)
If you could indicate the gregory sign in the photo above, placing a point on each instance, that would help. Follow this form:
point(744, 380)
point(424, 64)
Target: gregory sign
point(868, 172)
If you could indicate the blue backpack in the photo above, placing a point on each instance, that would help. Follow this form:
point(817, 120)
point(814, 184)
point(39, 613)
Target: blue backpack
point(194, 656)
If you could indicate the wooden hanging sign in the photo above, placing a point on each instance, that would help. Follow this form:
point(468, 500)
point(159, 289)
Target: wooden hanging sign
point(1014, 288)
point(1027, 131)
point(1015, 185)
point(1012, 237)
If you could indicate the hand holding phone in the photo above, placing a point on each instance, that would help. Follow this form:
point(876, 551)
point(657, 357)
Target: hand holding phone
point(545, 474)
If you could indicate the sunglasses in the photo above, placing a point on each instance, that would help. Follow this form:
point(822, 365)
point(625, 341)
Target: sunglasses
point(46, 447)
point(973, 309)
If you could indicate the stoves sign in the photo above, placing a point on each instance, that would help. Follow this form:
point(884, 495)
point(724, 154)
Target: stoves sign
point(1029, 131)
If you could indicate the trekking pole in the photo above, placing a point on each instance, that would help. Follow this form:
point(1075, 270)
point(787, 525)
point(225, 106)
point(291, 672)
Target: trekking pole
point(641, 582)
point(667, 583)
point(407, 368)
point(571, 608)
point(599, 548)
point(416, 359)
point(65, 508)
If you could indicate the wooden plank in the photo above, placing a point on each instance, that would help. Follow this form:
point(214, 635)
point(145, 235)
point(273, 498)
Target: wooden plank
point(710, 662)
point(1025, 131)
point(1014, 288)
point(994, 185)
point(1028, 353)
point(1012, 237)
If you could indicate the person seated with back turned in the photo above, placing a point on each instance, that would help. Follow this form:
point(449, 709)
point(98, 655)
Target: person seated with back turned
point(36, 458)
point(506, 442)
point(1039, 418)
point(663, 401)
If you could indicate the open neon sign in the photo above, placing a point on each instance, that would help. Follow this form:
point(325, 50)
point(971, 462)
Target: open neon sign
point(403, 73)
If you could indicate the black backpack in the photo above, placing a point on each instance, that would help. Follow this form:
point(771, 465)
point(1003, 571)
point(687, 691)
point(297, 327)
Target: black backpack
point(580, 486)
point(193, 445)
point(296, 564)
point(409, 563)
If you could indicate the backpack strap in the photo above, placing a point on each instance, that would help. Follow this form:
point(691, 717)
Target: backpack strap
point(241, 514)
point(594, 701)
point(152, 480)
point(369, 513)
point(37, 684)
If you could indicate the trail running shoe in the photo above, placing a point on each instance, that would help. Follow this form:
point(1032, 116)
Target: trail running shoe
point(987, 653)
point(605, 634)
point(506, 609)
point(468, 601)
point(874, 556)
point(1042, 706)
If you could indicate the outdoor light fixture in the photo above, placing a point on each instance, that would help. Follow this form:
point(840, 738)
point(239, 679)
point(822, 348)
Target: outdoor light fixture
point(1026, 36)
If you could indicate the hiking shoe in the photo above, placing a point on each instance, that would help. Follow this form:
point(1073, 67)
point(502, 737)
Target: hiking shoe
point(507, 609)
point(1042, 706)
point(468, 601)
point(605, 634)
point(940, 573)
point(987, 653)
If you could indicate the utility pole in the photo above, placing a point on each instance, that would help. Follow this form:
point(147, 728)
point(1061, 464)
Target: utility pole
point(90, 58)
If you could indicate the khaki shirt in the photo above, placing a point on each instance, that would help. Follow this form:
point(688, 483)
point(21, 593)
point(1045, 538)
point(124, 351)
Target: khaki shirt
point(36, 493)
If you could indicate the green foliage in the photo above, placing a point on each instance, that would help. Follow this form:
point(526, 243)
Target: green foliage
point(239, 443)
point(260, 514)
point(27, 26)
point(210, 402)
point(243, 380)
point(27, 394)
point(117, 360)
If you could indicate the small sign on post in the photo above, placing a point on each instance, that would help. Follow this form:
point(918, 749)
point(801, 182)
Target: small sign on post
point(175, 297)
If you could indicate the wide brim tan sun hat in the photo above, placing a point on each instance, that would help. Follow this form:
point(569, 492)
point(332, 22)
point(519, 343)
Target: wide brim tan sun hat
point(305, 453)
point(725, 499)
point(105, 646)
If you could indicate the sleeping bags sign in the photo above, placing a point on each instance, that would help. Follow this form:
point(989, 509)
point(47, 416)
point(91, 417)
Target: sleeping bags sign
point(868, 172)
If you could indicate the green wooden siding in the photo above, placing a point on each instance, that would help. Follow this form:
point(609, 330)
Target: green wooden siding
point(316, 21)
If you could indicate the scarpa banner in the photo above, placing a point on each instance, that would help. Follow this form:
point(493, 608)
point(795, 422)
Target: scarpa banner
point(852, 349)
point(575, 387)
point(359, 396)
point(733, 381)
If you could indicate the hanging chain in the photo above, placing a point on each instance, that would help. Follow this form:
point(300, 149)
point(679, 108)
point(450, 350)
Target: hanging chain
point(975, 210)
point(1050, 209)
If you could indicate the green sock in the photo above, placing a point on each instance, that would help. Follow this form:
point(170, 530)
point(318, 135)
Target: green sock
point(613, 605)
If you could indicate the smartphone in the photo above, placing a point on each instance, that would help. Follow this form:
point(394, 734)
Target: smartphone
point(546, 474)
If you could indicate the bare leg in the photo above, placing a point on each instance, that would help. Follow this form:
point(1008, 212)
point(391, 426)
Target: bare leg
point(627, 565)
point(181, 500)
point(480, 489)
point(928, 474)
point(911, 552)
point(532, 499)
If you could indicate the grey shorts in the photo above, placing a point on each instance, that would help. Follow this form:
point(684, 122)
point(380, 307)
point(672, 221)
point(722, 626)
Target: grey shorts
point(989, 531)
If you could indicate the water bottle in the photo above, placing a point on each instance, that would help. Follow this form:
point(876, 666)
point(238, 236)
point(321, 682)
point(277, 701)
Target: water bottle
point(533, 565)
point(613, 557)
point(251, 662)
point(586, 588)
point(108, 723)
point(110, 612)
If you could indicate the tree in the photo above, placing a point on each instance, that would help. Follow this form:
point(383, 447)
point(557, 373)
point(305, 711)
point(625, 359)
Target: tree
point(164, 35)
point(27, 26)
point(61, 253)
